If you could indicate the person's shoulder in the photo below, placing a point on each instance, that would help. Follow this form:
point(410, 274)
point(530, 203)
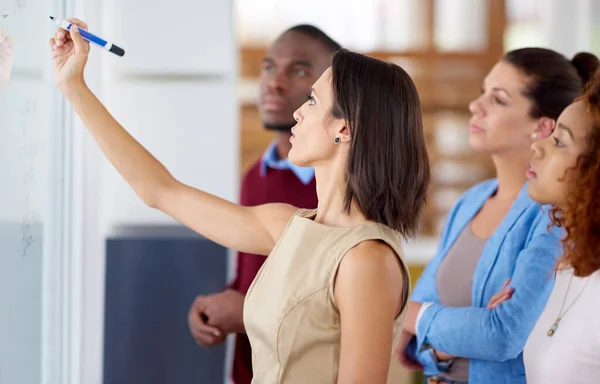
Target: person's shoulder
point(371, 254)
point(371, 264)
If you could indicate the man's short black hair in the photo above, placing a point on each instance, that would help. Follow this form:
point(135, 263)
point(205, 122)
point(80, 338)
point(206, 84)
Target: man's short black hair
point(317, 34)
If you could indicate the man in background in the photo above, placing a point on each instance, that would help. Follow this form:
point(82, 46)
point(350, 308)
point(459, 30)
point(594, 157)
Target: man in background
point(292, 65)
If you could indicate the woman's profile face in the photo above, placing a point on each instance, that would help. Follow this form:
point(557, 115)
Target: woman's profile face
point(313, 136)
point(501, 121)
point(556, 154)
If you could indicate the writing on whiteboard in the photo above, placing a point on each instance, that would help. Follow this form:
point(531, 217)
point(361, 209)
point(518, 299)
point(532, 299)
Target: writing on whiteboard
point(29, 151)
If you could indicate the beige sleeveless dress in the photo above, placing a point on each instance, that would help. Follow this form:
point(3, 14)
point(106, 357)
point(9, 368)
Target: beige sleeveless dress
point(290, 313)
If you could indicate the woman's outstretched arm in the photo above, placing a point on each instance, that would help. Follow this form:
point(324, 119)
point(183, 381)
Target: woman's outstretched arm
point(248, 229)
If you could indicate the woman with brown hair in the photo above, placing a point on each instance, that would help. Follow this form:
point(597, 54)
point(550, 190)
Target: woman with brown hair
point(327, 304)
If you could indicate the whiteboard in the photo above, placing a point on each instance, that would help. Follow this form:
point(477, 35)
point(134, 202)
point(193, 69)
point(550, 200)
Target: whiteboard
point(29, 173)
point(197, 41)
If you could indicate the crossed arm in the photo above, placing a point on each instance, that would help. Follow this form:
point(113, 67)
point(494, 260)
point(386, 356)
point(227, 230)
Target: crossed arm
point(499, 332)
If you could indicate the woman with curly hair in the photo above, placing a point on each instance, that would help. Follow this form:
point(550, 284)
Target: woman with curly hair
point(564, 346)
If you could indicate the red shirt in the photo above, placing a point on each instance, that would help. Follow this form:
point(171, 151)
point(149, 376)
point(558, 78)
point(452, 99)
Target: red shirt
point(270, 186)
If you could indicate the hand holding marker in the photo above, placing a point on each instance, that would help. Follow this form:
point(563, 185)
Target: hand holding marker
point(66, 25)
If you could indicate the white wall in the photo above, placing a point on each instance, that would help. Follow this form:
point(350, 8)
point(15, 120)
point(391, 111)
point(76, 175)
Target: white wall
point(174, 91)
point(567, 25)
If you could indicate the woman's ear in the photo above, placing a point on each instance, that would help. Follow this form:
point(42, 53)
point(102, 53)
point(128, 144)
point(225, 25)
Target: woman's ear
point(343, 132)
point(543, 129)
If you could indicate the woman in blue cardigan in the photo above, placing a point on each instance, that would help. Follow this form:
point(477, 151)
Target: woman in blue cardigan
point(494, 236)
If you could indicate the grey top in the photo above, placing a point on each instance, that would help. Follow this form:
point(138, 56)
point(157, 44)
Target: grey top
point(454, 282)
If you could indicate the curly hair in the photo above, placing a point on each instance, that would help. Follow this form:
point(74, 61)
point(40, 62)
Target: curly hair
point(580, 217)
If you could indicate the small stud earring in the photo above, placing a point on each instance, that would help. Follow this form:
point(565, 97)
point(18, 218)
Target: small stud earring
point(336, 140)
point(534, 136)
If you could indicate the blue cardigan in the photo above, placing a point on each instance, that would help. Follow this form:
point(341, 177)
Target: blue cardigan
point(521, 248)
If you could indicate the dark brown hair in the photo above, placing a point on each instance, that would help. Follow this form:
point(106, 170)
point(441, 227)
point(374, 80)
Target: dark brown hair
point(554, 81)
point(388, 166)
point(581, 214)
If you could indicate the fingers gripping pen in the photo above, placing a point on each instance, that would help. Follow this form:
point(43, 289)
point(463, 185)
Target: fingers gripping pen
point(66, 25)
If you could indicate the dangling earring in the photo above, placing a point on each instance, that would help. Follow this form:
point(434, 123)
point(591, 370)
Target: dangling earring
point(336, 140)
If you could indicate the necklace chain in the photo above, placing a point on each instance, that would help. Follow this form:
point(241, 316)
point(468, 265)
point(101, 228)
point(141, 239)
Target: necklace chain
point(562, 314)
